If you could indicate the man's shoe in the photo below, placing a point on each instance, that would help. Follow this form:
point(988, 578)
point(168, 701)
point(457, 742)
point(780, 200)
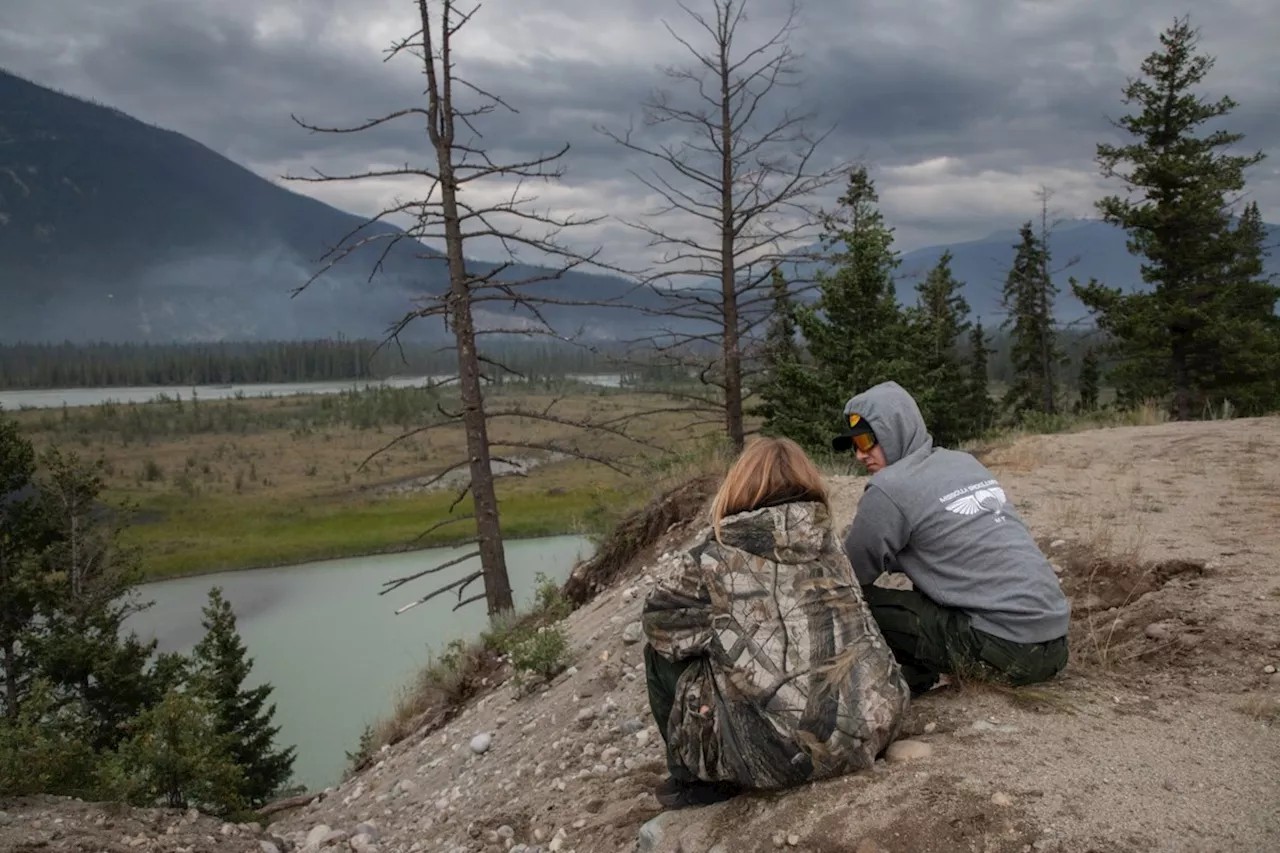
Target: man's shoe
point(675, 794)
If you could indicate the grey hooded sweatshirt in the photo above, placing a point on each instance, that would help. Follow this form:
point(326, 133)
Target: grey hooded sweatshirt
point(940, 517)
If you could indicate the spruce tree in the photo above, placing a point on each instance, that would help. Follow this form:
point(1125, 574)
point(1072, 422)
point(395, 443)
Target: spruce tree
point(19, 588)
point(1087, 382)
point(980, 409)
point(87, 590)
point(1028, 299)
point(1248, 372)
point(1194, 337)
point(221, 664)
point(855, 331)
point(777, 397)
point(937, 321)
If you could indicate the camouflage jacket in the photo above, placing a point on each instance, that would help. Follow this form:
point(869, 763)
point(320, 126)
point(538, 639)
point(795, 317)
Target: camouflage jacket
point(792, 680)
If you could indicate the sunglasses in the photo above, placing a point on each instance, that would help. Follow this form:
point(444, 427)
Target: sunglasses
point(864, 441)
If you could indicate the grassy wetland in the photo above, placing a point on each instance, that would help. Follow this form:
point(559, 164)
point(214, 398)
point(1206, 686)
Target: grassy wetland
point(256, 482)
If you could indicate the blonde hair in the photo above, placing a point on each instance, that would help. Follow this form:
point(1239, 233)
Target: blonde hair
point(769, 471)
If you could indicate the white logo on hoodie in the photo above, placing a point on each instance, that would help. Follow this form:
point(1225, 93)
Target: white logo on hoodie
point(986, 496)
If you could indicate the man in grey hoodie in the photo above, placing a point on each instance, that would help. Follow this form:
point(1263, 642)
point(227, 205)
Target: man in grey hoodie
point(986, 602)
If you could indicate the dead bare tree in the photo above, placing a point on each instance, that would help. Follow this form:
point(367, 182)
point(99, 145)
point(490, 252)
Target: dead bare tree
point(453, 211)
point(740, 177)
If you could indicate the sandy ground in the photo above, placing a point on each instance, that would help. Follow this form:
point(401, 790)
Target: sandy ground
point(1163, 735)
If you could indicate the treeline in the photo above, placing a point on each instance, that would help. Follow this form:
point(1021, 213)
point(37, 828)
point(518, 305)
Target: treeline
point(89, 710)
point(68, 365)
point(1202, 341)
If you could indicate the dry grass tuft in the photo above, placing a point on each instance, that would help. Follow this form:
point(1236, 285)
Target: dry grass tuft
point(1041, 698)
point(1264, 709)
point(684, 505)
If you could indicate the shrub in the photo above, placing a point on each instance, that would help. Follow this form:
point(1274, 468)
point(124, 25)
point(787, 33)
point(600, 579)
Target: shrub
point(542, 653)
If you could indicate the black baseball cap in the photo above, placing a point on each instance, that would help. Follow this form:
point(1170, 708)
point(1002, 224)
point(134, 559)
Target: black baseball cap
point(855, 427)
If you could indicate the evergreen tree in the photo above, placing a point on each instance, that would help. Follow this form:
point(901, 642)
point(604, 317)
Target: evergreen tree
point(1088, 382)
point(87, 592)
point(221, 665)
point(1248, 371)
point(980, 409)
point(18, 583)
point(1205, 332)
point(776, 394)
point(176, 756)
point(855, 330)
point(1028, 298)
point(937, 321)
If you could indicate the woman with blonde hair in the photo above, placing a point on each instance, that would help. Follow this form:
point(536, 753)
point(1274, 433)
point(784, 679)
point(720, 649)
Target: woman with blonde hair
point(764, 666)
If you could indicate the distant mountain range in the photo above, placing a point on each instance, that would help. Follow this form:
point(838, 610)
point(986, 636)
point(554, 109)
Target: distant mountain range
point(112, 229)
point(1081, 249)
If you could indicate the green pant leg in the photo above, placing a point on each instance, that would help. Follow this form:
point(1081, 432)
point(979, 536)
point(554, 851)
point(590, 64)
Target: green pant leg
point(1020, 664)
point(927, 639)
point(661, 677)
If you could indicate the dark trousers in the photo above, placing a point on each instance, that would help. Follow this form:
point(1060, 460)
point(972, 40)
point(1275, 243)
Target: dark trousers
point(660, 677)
point(929, 640)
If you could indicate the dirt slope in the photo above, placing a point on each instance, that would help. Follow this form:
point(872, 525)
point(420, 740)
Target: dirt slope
point(1164, 735)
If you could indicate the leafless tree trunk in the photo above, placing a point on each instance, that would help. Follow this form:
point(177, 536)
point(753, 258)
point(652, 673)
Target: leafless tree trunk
point(450, 213)
point(742, 181)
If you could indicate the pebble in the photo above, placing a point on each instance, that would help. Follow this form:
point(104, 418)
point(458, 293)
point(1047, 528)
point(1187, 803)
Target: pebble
point(1001, 799)
point(901, 751)
point(1269, 669)
point(1057, 543)
point(793, 840)
point(268, 847)
point(633, 633)
point(632, 726)
point(651, 835)
point(1159, 631)
point(586, 715)
point(317, 834)
point(642, 738)
point(480, 743)
point(930, 728)
point(610, 754)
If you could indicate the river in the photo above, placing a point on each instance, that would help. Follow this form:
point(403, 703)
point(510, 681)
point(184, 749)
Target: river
point(331, 646)
point(57, 397)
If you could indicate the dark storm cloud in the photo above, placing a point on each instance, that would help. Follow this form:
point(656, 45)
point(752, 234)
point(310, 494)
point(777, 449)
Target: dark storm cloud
point(961, 107)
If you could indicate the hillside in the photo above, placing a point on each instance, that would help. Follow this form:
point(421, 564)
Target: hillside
point(113, 229)
point(1161, 735)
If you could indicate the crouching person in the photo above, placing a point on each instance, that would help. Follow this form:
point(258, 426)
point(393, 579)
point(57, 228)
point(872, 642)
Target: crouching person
point(765, 668)
point(985, 602)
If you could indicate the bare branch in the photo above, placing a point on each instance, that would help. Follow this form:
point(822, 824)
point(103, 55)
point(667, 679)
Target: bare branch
point(396, 583)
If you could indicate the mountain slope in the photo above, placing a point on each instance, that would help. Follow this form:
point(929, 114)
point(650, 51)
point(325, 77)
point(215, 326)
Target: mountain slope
point(113, 229)
point(1098, 249)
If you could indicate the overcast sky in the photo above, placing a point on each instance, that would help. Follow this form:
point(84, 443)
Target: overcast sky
point(961, 108)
